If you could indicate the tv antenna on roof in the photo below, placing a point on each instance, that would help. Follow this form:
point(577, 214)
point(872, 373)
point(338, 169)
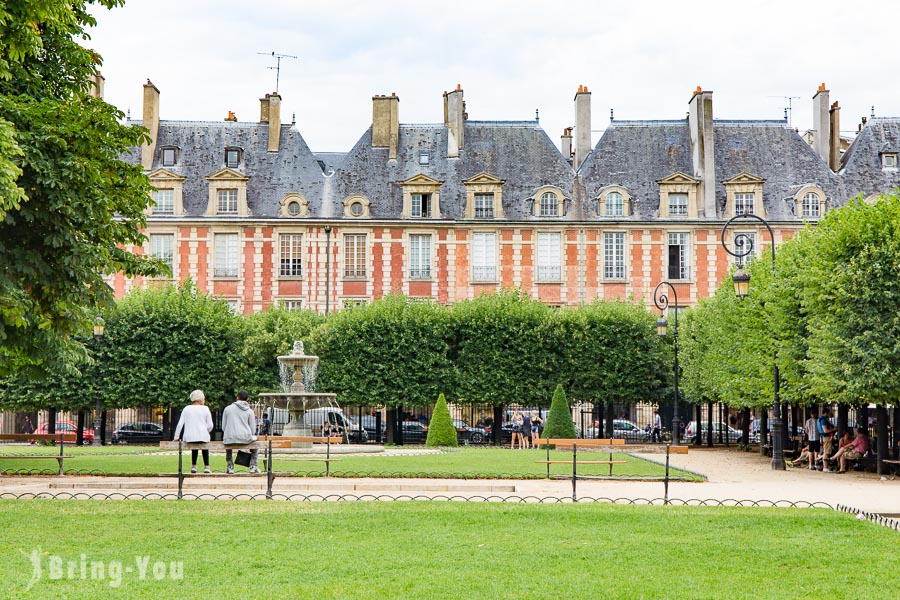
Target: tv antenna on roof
point(788, 110)
point(277, 67)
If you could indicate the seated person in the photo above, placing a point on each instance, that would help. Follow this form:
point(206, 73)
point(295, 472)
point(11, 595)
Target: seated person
point(855, 450)
point(845, 440)
point(802, 458)
point(326, 429)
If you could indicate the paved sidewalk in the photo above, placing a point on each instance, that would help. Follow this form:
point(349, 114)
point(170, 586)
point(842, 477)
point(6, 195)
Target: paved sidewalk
point(731, 475)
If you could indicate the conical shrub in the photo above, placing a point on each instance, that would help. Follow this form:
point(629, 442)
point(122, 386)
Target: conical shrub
point(441, 431)
point(559, 421)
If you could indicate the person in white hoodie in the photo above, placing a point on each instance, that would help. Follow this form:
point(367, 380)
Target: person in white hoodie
point(196, 423)
point(239, 427)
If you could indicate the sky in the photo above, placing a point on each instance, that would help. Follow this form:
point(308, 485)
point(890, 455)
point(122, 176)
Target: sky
point(640, 58)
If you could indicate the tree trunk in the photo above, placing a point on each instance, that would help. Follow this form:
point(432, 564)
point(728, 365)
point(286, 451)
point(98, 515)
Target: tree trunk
point(843, 412)
point(698, 419)
point(497, 425)
point(610, 416)
point(51, 420)
point(709, 423)
point(881, 432)
point(763, 431)
point(745, 426)
point(79, 429)
point(392, 436)
point(102, 428)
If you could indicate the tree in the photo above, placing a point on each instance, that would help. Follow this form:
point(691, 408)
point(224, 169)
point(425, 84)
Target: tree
point(441, 431)
point(559, 423)
point(68, 202)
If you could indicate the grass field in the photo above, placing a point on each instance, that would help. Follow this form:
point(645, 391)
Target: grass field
point(463, 462)
point(439, 550)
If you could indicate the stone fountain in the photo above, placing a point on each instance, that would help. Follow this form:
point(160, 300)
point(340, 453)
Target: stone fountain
point(298, 392)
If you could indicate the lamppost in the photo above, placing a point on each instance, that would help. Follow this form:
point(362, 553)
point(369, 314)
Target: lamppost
point(99, 331)
point(661, 300)
point(743, 246)
point(327, 268)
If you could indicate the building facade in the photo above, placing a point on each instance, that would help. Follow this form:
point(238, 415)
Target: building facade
point(451, 210)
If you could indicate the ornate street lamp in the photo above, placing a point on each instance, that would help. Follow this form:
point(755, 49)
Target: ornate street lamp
point(327, 268)
point(661, 300)
point(99, 332)
point(743, 246)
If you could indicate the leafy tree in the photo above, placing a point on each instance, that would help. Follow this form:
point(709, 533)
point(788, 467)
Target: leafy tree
point(500, 350)
point(441, 431)
point(391, 352)
point(267, 335)
point(559, 423)
point(161, 343)
point(68, 203)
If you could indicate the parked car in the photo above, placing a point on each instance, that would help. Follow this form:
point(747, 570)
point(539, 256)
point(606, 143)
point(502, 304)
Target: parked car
point(368, 423)
point(468, 434)
point(754, 430)
point(137, 433)
point(622, 429)
point(732, 435)
point(68, 428)
point(414, 432)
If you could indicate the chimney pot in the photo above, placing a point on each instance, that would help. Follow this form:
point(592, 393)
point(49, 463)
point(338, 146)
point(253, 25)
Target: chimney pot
point(822, 87)
point(458, 87)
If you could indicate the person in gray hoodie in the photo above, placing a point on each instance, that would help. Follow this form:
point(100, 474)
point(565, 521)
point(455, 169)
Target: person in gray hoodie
point(239, 427)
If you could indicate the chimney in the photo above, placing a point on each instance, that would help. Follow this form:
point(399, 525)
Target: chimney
point(386, 123)
point(565, 144)
point(264, 109)
point(821, 123)
point(582, 125)
point(454, 120)
point(151, 122)
point(274, 119)
point(97, 84)
point(700, 122)
point(231, 116)
point(834, 150)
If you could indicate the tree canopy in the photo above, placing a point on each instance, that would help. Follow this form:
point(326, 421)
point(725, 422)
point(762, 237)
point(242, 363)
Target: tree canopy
point(68, 202)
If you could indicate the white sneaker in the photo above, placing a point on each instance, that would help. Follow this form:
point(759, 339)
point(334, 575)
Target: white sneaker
point(207, 470)
point(826, 470)
point(229, 471)
point(193, 469)
point(254, 471)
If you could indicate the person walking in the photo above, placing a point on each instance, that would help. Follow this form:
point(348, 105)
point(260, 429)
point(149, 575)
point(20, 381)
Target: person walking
point(812, 434)
point(238, 427)
point(194, 427)
point(656, 435)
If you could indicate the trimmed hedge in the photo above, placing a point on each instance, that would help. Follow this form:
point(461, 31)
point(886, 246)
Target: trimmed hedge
point(441, 431)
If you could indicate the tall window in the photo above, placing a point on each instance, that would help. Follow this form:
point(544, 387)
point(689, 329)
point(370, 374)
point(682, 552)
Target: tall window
point(419, 256)
point(165, 202)
point(421, 205)
point(484, 206)
point(615, 204)
point(743, 204)
point(614, 255)
point(484, 257)
point(291, 255)
point(228, 202)
point(678, 204)
point(748, 243)
point(225, 251)
point(549, 204)
point(549, 257)
point(811, 205)
point(678, 256)
point(168, 157)
point(355, 255)
point(162, 246)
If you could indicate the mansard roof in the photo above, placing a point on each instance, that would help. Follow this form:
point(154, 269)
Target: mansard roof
point(861, 170)
point(518, 152)
point(638, 154)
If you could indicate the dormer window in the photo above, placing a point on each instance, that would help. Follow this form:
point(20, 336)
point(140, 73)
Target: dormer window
point(228, 202)
point(744, 195)
point(168, 156)
point(421, 198)
point(421, 206)
point(423, 158)
point(678, 196)
point(294, 205)
point(549, 204)
point(357, 207)
point(228, 193)
point(167, 197)
point(614, 201)
point(484, 206)
point(889, 160)
point(164, 201)
point(811, 201)
point(743, 204)
point(484, 197)
point(232, 157)
point(678, 205)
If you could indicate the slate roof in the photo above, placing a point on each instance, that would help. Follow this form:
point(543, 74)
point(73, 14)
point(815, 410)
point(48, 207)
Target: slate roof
point(861, 170)
point(519, 152)
point(636, 154)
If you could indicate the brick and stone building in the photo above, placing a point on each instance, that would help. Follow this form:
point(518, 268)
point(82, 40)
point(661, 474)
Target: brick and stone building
point(450, 210)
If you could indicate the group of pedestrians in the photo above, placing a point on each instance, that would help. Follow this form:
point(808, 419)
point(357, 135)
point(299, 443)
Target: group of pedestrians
point(526, 429)
point(820, 454)
point(238, 427)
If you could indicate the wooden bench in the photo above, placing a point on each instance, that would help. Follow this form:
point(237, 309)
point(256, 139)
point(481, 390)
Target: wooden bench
point(221, 447)
point(62, 438)
point(567, 443)
point(303, 439)
point(573, 444)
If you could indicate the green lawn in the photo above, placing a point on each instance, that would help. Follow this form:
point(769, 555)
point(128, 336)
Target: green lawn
point(458, 463)
point(441, 550)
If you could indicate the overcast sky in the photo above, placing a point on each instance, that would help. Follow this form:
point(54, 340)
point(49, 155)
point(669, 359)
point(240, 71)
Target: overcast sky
point(641, 58)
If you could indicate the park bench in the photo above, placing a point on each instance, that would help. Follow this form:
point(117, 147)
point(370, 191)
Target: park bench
point(566, 444)
point(52, 437)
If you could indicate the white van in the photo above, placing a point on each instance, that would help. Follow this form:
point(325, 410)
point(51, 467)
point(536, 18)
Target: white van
point(316, 417)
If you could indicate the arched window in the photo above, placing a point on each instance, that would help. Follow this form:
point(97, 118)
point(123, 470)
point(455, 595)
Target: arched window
point(810, 207)
point(549, 204)
point(615, 204)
